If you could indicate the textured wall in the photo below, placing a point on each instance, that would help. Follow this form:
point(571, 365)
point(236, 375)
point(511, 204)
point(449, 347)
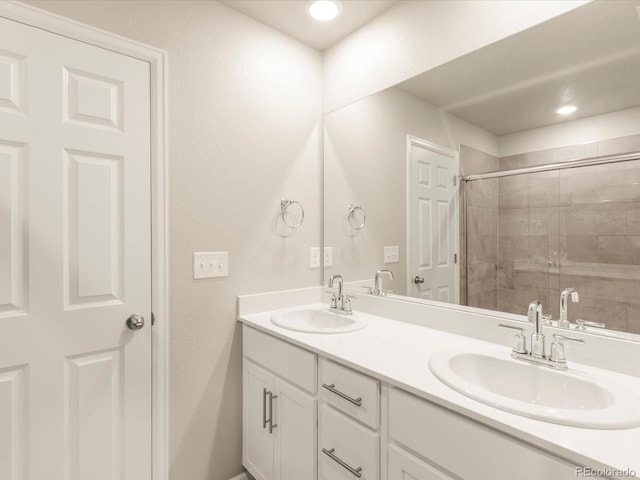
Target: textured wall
point(244, 110)
point(414, 36)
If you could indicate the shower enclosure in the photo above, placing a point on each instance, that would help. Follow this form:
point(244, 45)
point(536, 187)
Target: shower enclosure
point(528, 233)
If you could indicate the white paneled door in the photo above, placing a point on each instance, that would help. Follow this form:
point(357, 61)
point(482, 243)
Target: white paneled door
point(75, 260)
point(433, 221)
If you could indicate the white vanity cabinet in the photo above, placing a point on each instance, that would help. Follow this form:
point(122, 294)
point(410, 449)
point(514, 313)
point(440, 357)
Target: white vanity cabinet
point(308, 418)
point(279, 409)
point(349, 438)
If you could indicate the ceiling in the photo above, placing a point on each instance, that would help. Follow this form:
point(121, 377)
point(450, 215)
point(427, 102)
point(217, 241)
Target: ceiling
point(291, 17)
point(589, 57)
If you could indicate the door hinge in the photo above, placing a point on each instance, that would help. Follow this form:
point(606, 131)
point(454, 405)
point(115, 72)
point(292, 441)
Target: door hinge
point(455, 180)
point(455, 260)
point(153, 319)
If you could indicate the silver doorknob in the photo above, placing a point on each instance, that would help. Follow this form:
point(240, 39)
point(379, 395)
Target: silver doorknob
point(418, 280)
point(135, 321)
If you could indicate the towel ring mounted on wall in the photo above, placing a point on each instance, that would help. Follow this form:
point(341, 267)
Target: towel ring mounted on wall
point(285, 205)
point(352, 217)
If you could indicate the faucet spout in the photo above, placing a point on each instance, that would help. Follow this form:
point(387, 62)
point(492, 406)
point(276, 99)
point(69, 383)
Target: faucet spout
point(332, 278)
point(534, 315)
point(564, 297)
point(377, 288)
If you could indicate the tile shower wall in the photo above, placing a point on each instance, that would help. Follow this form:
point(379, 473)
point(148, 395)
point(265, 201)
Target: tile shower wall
point(480, 232)
point(570, 228)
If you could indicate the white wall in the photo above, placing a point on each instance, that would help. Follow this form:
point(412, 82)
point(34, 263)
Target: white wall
point(244, 111)
point(414, 36)
point(365, 163)
point(587, 130)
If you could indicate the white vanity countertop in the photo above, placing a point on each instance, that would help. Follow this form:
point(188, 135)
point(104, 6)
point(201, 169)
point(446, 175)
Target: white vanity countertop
point(398, 353)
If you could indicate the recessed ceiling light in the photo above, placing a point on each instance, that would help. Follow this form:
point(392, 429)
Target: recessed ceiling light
point(324, 10)
point(566, 110)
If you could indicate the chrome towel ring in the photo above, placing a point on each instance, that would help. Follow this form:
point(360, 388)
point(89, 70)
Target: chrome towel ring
point(356, 217)
point(285, 205)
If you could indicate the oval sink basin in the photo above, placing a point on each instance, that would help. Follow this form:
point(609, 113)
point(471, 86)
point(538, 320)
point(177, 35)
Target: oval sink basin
point(318, 320)
point(580, 399)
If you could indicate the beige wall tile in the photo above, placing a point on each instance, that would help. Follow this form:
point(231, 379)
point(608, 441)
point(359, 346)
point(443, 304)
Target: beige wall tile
point(614, 146)
point(619, 250)
point(476, 161)
point(553, 155)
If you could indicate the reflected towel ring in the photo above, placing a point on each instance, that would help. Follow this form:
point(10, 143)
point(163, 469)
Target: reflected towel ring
point(354, 222)
point(284, 206)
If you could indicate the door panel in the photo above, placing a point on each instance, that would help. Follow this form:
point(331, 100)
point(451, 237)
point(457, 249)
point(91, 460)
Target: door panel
point(433, 218)
point(75, 258)
point(295, 435)
point(258, 445)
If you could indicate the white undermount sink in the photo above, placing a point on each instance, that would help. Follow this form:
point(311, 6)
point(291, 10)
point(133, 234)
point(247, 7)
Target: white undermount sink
point(318, 320)
point(589, 398)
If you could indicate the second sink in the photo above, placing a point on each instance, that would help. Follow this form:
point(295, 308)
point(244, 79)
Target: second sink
point(580, 399)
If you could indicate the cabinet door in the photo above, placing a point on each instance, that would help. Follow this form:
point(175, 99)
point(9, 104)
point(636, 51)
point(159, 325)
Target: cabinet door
point(257, 442)
point(403, 466)
point(295, 434)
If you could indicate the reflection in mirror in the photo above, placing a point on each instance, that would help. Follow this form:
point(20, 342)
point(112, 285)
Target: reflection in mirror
point(498, 242)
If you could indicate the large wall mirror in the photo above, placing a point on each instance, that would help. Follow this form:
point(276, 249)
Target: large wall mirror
point(470, 188)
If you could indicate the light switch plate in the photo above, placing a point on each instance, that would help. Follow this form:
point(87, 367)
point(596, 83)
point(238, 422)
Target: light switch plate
point(314, 257)
point(392, 254)
point(328, 256)
point(210, 264)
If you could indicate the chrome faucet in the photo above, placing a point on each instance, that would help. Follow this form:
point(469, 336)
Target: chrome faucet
point(537, 355)
point(377, 281)
point(564, 296)
point(340, 302)
point(534, 314)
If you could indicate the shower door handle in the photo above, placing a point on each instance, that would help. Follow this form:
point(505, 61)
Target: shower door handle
point(418, 280)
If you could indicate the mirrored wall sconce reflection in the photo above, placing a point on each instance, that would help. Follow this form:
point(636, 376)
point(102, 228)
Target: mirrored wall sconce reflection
point(292, 213)
point(356, 217)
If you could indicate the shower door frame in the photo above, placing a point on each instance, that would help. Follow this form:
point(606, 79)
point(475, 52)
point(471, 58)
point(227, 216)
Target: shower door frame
point(158, 68)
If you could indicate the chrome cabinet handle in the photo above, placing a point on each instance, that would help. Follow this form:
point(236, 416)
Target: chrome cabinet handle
point(332, 389)
point(264, 408)
point(135, 322)
point(271, 424)
point(342, 463)
point(418, 280)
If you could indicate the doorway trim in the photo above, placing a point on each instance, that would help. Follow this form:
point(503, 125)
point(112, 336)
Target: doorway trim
point(157, 60)
point(454, 155)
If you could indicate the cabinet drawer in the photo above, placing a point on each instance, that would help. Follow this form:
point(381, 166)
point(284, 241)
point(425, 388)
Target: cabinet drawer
point(351, 392)
point(467, 448)
point(403, 466)
point(344, 440)
point(286, 360)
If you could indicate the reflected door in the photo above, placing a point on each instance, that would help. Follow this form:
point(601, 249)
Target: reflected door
point(433, 222)
point(75, 381)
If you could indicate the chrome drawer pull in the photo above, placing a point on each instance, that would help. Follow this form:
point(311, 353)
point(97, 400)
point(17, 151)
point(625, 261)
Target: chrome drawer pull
point(332, 389)
point(332, 456)
point(264, 408)
point(271, 424)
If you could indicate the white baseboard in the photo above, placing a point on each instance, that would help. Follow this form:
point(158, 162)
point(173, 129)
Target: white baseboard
point(242, 476)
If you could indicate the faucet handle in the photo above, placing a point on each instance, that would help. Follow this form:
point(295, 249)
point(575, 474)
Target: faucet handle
point(520, 341)
point(368, 289)
point(347, 304)
point(583, 324)
point(557, 348)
